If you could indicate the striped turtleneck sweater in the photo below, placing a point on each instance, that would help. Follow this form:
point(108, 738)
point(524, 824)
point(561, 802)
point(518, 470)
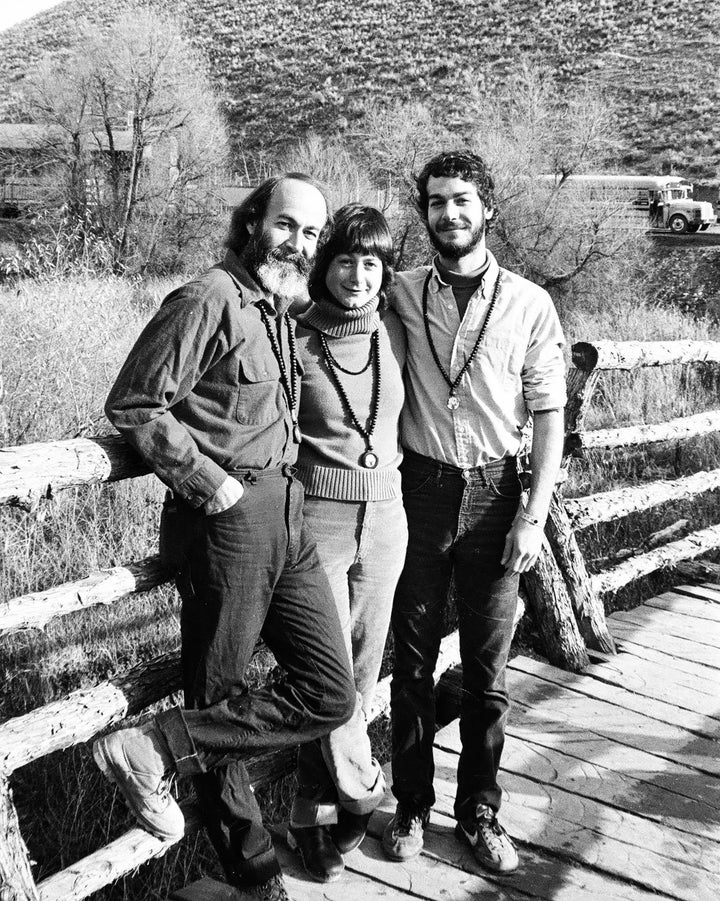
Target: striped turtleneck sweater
point(329, 459)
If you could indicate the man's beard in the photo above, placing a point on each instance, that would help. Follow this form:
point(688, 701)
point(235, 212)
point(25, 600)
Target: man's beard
point(456, 250)
point(282, 272)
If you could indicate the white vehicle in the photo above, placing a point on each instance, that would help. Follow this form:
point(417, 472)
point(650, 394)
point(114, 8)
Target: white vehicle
point(665, 199)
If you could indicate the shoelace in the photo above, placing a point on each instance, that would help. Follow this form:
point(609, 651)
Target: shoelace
point(408, 822)
point(167, 784)
point(494, 835)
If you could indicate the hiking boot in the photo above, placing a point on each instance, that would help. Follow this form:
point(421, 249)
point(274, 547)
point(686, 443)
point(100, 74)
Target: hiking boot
point(491, 845)
point(349, 831)
point(272, 890)
point(139, 762)
point(320, 858)
point(403, 835)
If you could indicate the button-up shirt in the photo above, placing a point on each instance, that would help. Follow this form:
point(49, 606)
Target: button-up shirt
point(518, 367)
point(200, 393)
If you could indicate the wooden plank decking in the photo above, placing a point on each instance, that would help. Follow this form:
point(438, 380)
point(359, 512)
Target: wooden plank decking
point(611, 778)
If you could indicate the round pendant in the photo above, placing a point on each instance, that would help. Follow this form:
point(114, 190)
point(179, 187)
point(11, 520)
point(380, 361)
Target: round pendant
point(296, 433)
point(369, 460)
point(453, 402)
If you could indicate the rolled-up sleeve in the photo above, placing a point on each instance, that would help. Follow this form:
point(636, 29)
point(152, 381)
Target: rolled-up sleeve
point(543, 374)
point(186, 337)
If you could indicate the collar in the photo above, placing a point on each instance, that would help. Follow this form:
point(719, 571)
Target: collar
point(337, 322)
point(250, 291)
point(490, 276)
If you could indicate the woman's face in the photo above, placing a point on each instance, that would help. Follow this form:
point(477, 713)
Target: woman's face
point(353, 279)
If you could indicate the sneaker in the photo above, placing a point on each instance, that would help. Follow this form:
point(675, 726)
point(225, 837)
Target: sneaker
point(403, 835)
point(349, 831)
point(320, 858)
point(272, 890)
point(139, 762)
point(491, 845)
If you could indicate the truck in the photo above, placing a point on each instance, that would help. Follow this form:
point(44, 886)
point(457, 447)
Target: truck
point(655, 201)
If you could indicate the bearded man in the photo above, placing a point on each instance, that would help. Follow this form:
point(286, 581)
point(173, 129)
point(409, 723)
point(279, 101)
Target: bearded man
point(484, 351)
point(209, 398)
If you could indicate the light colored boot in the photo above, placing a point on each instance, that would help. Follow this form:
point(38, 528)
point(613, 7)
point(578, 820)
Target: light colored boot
point(139, 762)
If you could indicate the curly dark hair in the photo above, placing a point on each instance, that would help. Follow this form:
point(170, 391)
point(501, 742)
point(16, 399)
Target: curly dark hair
point(355, 229)
point(457, 164)
point(255, 205)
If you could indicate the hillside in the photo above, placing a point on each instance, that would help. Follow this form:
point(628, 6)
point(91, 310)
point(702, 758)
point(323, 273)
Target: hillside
point(285, 67)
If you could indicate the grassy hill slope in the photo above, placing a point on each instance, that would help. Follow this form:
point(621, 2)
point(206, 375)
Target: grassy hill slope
point(285, 67)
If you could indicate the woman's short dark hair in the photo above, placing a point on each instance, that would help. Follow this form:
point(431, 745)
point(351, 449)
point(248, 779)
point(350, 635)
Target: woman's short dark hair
point(355, 229)
point(254, 207)
point(457, 164)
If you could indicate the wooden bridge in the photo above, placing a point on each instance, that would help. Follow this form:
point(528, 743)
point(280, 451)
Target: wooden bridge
point(611, 778)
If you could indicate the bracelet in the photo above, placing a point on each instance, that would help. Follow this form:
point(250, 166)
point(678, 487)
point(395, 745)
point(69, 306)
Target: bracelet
point(529, 519)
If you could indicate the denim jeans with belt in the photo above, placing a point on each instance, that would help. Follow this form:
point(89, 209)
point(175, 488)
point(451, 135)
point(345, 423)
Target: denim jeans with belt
point(362, 548)
point(458, 521)
point(250, 571)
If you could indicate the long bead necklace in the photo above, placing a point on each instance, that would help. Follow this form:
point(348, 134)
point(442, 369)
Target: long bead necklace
point(453, 401)
point(369, 459)
point(289, 383)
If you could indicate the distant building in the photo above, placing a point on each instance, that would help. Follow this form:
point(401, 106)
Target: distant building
point(31, 155)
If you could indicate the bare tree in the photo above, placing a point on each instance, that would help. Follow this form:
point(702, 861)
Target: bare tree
point(535, 137)
point(333, 163)
point(137, 134)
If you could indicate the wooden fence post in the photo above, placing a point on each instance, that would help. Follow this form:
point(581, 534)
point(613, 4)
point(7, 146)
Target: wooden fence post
point(585, 601)
point(16, 879)
point(553, 612)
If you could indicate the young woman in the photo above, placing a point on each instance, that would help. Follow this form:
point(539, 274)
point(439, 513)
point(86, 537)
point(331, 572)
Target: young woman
point(352, 349)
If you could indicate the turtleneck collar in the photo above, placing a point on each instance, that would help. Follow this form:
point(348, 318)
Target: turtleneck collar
point(458, 279)
point(338, 322)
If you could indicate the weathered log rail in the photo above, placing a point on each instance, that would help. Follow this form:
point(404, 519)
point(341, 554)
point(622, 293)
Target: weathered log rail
point(590, 360)
point(35, 610)
point(566, 601)
point(31, 472)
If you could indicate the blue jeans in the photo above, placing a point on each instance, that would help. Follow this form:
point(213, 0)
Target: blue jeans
point(250, 571)
point(362, 548)
point(458, 521)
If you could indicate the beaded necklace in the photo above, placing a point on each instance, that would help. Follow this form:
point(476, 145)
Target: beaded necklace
point(453, 401)
point(290, 384)
point(369, 459)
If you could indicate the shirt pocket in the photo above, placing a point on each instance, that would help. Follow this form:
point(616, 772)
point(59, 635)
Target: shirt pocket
point(505, 351)
point(258, 401)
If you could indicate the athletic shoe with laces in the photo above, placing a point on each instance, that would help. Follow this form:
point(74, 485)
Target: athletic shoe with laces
point(403, 835)
point(139, 762)
point(272, 890)
point(490, 843)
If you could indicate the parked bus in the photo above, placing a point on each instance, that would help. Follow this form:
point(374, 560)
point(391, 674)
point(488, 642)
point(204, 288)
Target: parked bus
point(664, 201)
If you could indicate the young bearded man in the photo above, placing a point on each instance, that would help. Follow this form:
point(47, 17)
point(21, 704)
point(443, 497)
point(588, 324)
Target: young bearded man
point(484, 351)
point(209, 398)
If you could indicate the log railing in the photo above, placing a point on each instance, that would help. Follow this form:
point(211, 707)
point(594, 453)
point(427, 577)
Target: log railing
point(590, 360)
point(567, 603)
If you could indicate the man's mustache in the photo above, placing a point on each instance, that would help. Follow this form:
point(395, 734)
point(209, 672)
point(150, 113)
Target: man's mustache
point(287, 255)
point(452, 226)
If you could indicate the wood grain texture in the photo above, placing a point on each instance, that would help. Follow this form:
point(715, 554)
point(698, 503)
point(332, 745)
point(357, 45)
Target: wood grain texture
point(29, 472)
